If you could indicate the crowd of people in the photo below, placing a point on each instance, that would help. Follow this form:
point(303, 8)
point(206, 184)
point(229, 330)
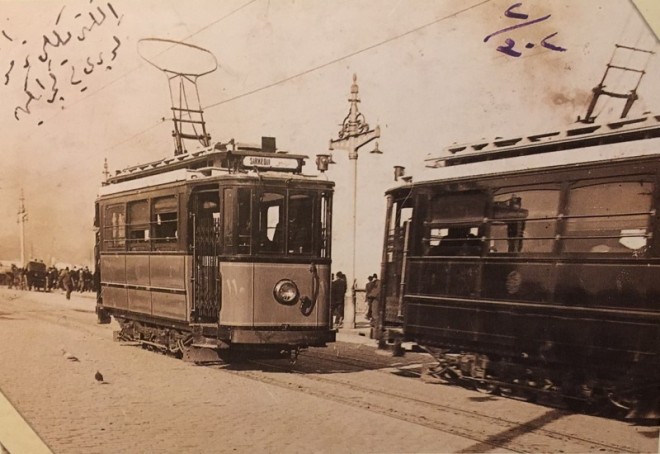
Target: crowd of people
point(338, 293)
point(35, 275)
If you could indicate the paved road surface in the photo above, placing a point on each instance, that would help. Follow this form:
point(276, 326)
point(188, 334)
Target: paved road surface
point(345, 398)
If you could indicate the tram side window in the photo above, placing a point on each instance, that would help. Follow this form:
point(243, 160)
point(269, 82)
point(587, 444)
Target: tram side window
point(138, 225)
point(524, 221)
point(453, 226)
point(114, 233)
point(609, 218)
point(165, 222)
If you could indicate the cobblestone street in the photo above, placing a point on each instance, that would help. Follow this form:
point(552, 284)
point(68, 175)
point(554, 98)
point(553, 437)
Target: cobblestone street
point(154, 403)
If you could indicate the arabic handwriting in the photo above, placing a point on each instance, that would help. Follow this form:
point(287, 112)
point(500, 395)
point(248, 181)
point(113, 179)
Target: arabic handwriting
point(54, 89)
point(508, 48)
point(114, 51)
point(85, 28)
point(59, 16)
point(63, 64)
point(11, 66)
point(48, 42)
point(31, 97)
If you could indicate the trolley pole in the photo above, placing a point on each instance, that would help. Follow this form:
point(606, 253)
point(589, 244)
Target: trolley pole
point(354, 134)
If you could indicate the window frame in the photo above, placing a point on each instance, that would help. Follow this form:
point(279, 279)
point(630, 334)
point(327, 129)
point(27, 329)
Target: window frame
point(495, 221)
point(568, 239)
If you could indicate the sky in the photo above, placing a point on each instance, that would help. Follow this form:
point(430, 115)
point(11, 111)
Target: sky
point(429, 73)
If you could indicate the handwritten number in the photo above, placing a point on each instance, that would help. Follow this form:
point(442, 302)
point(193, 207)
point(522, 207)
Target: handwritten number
point(547, 45)
point(513, 27)
point(508, 49)
point(509, 12)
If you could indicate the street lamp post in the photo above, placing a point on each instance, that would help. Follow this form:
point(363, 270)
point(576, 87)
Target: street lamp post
point(353, 135)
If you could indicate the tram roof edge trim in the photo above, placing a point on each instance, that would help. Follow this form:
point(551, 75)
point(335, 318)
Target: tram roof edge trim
point(578, 136)
point(563, 158)
point(149, 181)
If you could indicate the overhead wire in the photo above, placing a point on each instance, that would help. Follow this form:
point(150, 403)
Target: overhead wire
point(344, 57)
point(318, 67)
point(328, 63)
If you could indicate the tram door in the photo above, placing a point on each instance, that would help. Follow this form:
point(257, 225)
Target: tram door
point(206, 227)
point(394, 261)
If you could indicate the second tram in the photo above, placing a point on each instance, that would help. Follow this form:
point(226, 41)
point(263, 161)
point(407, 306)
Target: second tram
point(531, 265)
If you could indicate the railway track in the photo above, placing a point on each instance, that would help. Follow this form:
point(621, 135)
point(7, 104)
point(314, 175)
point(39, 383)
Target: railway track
point(487, 431)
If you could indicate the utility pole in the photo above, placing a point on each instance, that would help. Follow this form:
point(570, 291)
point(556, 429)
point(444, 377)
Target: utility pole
point(354, 134)
point(106, 172)
point(22, 219)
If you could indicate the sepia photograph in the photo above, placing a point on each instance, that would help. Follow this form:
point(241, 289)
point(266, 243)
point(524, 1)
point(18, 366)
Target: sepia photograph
point(348, 226)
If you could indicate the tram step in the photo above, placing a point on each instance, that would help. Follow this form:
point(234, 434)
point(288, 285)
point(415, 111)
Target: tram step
point(205, 345)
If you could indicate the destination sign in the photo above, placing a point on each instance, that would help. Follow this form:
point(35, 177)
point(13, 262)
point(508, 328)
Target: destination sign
point(271, 163)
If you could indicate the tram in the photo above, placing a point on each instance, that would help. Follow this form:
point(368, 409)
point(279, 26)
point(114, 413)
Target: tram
point(530, 265)
point(225, 249)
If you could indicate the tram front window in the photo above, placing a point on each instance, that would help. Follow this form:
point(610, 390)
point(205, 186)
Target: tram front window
point(286, 228)
point(299, 238)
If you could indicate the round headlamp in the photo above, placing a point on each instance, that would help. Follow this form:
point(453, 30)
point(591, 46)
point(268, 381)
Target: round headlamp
point(286, 292)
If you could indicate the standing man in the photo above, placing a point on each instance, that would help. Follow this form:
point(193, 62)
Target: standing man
point(367, 291)
point(338, 293)
point(67, 282)
point(373, 295)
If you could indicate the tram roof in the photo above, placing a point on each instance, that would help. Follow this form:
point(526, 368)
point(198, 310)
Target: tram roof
point(569, 157)
point(230, 157)
point(577, 137)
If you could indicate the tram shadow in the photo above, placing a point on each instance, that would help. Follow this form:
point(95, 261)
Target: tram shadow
point(333, 359)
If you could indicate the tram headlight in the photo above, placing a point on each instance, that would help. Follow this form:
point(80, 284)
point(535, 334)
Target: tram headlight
point(286, 292)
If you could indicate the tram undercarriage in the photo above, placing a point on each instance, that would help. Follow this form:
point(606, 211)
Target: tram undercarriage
point(205, 342)
point(629, 397)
